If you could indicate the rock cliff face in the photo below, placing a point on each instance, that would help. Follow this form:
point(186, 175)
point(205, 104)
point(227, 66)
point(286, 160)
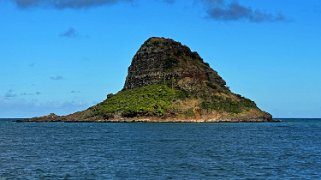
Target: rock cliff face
point(167, 82)
point(161, 60)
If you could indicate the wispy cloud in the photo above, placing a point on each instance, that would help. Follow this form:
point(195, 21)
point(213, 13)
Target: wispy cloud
point(23, 108)
point(57, 78)
point(10, 94)
point(30, 94)
point(74, 92)
point(69, 33)
point(66, 4)
point(234, 11)
point(72, 33)
point(219, 10)
point(31, 64)
point(169, 1)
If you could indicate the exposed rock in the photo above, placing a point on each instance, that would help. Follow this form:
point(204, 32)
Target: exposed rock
point(167, 82)
point(161, 60)
point(50, 117)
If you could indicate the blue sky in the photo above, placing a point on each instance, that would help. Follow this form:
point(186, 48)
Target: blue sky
point(64, 56)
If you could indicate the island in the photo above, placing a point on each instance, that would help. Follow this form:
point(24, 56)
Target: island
point(167, 82)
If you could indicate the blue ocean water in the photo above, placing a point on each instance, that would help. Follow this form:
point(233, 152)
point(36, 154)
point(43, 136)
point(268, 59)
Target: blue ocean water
point(289, 149)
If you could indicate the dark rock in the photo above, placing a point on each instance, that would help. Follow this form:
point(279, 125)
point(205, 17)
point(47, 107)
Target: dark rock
point(161, 60)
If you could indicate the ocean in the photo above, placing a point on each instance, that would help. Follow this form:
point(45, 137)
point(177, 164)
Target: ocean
point(288, 149)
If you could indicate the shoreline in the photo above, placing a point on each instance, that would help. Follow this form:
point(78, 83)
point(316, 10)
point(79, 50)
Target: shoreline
point(147, 121)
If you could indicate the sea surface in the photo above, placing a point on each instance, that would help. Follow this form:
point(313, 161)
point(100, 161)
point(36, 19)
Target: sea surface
point(289, 149)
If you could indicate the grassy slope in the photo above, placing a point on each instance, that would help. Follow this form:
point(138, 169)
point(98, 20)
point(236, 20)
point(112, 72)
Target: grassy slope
point(163, 101)
point(153, 100)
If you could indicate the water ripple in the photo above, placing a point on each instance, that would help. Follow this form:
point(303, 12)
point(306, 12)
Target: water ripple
point(290, 149)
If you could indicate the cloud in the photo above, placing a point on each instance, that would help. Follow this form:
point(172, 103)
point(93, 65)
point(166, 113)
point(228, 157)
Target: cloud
point(223, 11)
point(66, 4)
point(23, 108)
point(57, 78)
point(30, 94)
point(31, 64)
point(72, 33)
point(10, 94)
point(169, 1)
point(69, 33)
point(219, 10)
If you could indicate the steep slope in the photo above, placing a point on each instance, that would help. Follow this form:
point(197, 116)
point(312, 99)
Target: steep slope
point(167, 82)
point(161, 60)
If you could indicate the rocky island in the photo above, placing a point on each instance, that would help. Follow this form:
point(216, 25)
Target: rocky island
point(167, 82)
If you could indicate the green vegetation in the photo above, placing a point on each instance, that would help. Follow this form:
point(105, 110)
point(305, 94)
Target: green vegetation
point(189, 113)
point(158, 100)
point(219, 103)
point(147, 100)
point(110, 95)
